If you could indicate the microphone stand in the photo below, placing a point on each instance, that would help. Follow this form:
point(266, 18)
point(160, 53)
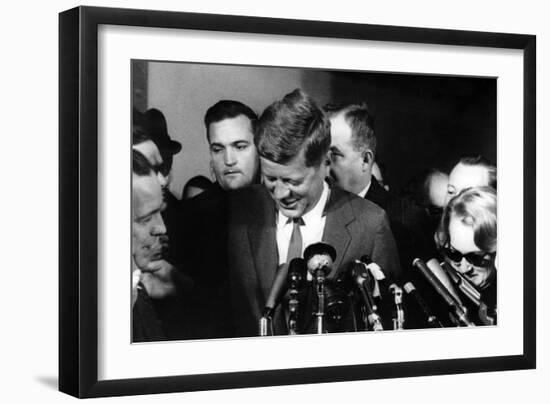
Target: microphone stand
point(319, 258)
point(399, 319)
point(266, 324)
point(362, 278)
point(320, 288)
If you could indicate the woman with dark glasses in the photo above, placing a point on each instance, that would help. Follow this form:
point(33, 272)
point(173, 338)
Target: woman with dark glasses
point(467, 239)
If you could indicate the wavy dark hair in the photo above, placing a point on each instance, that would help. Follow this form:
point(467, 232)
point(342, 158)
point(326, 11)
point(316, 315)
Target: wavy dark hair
point(291, 125)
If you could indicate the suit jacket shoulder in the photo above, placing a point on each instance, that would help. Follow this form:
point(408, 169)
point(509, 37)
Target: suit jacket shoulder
point(378, 194)
point(357, 227)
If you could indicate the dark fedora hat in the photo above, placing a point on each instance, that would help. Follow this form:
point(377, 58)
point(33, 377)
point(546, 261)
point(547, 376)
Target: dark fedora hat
point(155, 125)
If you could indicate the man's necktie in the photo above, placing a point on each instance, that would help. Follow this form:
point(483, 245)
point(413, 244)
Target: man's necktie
point(295, 245)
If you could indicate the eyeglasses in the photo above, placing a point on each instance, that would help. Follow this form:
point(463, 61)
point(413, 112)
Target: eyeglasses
point(477, 259)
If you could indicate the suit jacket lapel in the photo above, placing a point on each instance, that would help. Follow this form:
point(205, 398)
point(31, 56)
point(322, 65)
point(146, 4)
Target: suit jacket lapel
point(338, 216)
point(263, 244)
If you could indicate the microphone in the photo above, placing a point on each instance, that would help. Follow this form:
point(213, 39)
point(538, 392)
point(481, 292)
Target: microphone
point(278, 288)
point(464, 285)
point(430, 317)
point(297, 270)
point(399, 319)
point(377, 277)
point(449, 299)
point(276, 292)
point(471, 293)
point(320, 258)
point(361, 275)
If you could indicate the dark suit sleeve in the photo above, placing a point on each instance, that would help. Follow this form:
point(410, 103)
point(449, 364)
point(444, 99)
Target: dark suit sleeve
point(384, 252)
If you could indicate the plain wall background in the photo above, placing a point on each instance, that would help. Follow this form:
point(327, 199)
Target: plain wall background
point(28, 348)
point(183, 92)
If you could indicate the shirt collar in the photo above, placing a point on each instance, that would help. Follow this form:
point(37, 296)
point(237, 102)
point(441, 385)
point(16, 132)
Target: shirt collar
point(365, 190)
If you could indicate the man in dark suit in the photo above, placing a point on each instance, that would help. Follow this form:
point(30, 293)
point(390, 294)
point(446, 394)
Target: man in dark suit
point(273, 223)
point(202, 238)
point(353, 150)
point(147, 231)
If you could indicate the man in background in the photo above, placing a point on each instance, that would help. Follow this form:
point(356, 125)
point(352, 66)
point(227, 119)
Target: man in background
point(203, 244)
point(353, 150)
point(230, 134)
point(147, 247)
point(471, 171)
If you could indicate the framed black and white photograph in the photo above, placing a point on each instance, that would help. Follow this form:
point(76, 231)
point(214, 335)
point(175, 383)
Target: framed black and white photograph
point(257, 201)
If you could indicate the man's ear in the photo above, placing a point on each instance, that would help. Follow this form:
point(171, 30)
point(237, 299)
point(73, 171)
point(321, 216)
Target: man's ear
point(368, 157)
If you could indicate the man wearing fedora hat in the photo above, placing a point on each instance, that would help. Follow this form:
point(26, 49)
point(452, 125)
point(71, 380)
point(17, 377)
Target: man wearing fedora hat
point(167, 286)
point(156, 127)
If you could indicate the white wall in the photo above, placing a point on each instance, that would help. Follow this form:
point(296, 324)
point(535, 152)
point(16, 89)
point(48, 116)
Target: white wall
point(28, 348)
point(183, 92)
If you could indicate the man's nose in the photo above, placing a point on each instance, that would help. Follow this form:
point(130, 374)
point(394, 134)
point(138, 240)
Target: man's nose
point(281, 191)
point(465, 266)
point(162, 179)
point(159, 227)
point(229, 157)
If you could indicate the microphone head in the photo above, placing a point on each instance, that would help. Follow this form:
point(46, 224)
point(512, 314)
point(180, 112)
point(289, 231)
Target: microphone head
point(297, 269)
point(394, 288)
point(320, 249)
point(408, 287)
point(358, 270)
point(319, 256)
point(366, 259)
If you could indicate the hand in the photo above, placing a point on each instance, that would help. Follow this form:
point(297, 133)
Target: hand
point(157, 278)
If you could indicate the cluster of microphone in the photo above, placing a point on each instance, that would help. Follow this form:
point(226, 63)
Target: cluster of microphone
point(316, 299)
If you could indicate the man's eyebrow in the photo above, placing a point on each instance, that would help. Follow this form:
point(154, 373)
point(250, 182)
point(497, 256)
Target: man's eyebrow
point(147, 214)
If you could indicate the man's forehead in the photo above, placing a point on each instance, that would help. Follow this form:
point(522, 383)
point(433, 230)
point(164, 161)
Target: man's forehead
point(295, 168)
point(340, 130)
point(151, 152)
point(146, 191)
point(464, 176)
point(231, 130)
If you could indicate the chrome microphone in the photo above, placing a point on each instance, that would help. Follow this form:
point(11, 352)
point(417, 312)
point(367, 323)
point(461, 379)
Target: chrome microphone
point(278, 287)
point(399, 318)
point(362, 278)
point(471, 293)
point(456, 309)
point(320, 258)
point(432, 320)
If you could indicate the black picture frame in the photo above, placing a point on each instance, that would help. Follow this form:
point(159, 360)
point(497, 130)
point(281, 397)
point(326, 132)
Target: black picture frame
point(78, 195)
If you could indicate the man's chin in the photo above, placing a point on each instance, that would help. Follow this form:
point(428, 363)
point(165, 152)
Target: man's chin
point(234, 184)
point(291, 212)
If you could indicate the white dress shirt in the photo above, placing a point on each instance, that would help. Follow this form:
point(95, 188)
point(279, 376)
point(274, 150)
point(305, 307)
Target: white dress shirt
point(312, 229)
point(364, 191)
